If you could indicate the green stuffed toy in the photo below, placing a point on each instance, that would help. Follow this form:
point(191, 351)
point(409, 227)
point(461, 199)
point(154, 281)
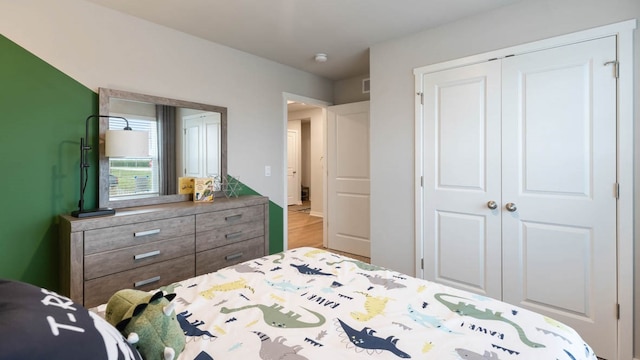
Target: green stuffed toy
point(147, 321)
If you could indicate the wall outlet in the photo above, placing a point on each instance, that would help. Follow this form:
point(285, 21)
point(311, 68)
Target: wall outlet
point(267, 170)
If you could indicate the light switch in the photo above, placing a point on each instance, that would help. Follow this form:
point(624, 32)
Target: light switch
point(267, 170)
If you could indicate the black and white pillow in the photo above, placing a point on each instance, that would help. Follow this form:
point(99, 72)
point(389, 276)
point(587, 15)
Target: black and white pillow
point(36, 323)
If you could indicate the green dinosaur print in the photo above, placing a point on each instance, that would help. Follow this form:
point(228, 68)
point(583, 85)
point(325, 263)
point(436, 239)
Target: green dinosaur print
point(362, 265)
point(273, 316)
point(171, 288)
point(470, 310)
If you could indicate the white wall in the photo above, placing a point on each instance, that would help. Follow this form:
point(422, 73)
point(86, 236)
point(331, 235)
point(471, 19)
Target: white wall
point(317, 140)
point(392, 101)
point(349, 90)
point(306, 153)
point(103, 48)
point(295, 125)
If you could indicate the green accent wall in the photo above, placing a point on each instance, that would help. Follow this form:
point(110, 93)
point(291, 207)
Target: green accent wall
point(276, 222)
point(42, 118)
point(42, 114)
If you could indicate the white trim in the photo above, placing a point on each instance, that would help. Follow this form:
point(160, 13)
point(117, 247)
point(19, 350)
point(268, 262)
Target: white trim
point(625, 163)
point(418, 173)
point(285, 118)
point(626, 200)
point(591, 34)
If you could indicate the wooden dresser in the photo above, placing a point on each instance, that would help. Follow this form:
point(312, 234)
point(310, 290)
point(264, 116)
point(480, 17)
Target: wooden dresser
point(151, 246)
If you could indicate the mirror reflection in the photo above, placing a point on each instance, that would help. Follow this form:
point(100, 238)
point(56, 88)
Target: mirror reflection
point(185, 140)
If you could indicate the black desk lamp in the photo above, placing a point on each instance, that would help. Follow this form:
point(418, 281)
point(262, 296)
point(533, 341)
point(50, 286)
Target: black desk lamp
point(118, 143)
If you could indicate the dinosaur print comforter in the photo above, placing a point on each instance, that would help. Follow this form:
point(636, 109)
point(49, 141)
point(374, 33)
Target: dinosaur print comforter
point(311, 304)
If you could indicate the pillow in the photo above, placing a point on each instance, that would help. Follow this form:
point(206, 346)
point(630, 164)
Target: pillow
point(36, 323)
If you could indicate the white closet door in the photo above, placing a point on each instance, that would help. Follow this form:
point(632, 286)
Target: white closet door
point(462, 175)
point(202, 145)
point(559, 169)
point(192, 149)
point(212, 145)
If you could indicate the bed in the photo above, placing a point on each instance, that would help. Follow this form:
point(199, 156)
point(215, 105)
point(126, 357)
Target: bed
point(312, 304)
point(308, 303)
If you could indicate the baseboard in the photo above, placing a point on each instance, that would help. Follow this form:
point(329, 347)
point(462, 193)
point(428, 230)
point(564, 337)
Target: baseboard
point(316, 214)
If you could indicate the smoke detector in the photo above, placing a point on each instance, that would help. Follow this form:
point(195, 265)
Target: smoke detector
point(321, 57)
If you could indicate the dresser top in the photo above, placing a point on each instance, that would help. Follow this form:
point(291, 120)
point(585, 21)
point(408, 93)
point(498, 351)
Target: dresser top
point(161, 211)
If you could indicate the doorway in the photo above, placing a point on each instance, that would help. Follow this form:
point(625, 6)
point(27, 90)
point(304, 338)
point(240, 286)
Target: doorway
point(305, 153)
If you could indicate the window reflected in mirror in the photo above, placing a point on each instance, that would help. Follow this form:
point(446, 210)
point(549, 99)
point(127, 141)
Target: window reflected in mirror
point(135, 176)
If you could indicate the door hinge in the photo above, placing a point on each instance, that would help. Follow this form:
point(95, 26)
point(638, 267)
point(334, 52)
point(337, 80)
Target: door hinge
point(616, 67)
point(421, 94)
point(618, 311)
point(421, 181)
point(422, 263)
point(617, 190)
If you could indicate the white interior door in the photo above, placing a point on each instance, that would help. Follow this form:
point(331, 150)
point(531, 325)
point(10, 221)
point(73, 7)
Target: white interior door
point(559, 169)
point(462, 237)
point(293, 173)
point(348, 191)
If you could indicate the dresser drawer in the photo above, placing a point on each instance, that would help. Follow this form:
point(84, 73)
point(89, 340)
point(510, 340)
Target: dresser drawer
point(98, 291)
point(106, 239)
point(217, 219)
point(212, 260)
point(228, 235)
point(108, 262)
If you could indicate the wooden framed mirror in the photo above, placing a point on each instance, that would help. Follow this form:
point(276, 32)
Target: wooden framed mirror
point(187, 139)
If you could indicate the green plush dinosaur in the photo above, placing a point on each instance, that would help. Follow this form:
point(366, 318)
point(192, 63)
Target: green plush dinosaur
point(147, 321)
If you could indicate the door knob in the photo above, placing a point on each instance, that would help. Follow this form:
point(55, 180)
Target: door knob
point(511, 207)
point(492, 205)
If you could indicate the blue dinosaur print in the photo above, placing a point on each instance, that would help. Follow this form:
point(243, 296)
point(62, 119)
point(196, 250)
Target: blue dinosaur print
point(364, 339)
point(571, 356)
point(305, 269)
point(286, 286)
point(426, 320)
point(191, 328)
point(203, 356)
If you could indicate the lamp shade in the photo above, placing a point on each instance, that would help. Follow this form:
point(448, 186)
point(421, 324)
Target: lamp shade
point(126, 143)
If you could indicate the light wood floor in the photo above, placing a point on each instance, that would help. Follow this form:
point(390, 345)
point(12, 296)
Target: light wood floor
point(306, 230)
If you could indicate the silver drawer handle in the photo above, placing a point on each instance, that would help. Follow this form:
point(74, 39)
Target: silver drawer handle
point(233, 217)
point(146, 255)
point(145, 282)
point(233, 235)
point(146, 233)
point(234, 256)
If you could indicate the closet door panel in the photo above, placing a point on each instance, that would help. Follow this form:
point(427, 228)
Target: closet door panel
point(461, 118)
point(559, 171)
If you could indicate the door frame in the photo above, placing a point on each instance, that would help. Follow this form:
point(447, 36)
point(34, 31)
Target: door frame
point(625, 210)
point(285, 118)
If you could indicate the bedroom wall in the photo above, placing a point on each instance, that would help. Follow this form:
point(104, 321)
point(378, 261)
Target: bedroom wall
point(392, 105)
point(98, 47)
point(41, 122)
point(349, 90)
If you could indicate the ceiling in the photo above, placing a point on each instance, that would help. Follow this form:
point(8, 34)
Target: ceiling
point(291, 32)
